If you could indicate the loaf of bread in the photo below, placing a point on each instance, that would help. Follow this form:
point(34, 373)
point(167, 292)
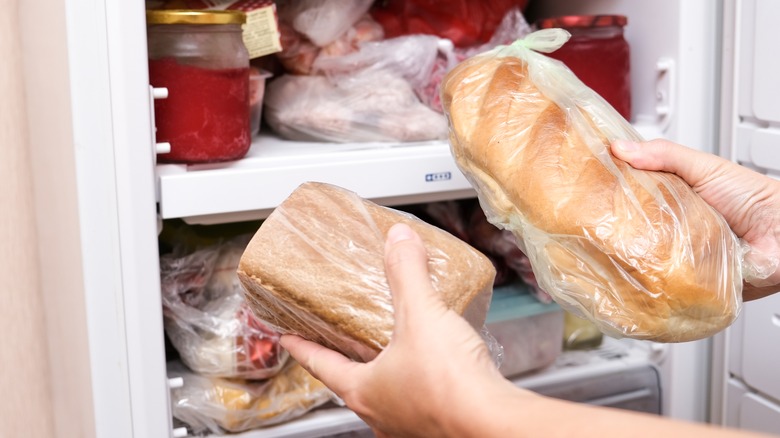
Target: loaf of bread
point(637, 252)
point(315, 268)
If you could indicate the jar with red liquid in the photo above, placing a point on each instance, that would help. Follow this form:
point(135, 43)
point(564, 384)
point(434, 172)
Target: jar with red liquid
point(598, 54)
point(200, 57)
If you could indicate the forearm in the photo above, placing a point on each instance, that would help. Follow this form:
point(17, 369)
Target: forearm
point(513, 412)
point(750, 292)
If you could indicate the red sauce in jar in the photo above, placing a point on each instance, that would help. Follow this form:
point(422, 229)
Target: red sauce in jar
point(206, 115)
point(599, 55)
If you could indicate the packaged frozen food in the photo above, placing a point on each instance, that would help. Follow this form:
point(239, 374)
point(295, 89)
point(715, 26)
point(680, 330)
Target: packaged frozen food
point(207, 318)
point(464, 22)
point(367, 106)
point(217, 405)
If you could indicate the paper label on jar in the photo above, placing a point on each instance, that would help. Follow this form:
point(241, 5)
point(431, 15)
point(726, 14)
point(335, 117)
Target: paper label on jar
point(261, 32)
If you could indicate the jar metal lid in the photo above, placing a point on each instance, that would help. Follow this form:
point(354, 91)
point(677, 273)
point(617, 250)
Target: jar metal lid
point(188, 16)
point(569, 21)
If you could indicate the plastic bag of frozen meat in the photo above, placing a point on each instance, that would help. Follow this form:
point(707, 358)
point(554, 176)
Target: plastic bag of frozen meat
point(207, 319)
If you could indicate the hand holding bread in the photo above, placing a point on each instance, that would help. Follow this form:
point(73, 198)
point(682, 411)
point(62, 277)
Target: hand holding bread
point(638, 252)
point(315, 268)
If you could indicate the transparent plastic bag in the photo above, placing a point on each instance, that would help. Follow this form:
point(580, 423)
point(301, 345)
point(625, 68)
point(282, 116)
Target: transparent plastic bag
point(367, 106)
point(207, 318)
point(321, 21)
point(315, 268)
point(637, 252)
point(216, 405)
point(412, 58)
point(465, 22)
point(299, 53)
point(512, 27)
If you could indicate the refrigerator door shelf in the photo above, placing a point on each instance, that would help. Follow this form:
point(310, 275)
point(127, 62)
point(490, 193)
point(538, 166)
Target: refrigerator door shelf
point(762, 329)
point(250, 188)
point(751, 411)
point(759, 147)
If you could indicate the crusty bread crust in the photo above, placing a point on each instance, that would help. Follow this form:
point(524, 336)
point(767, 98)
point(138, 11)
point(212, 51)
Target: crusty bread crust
point(316, 268)
point(638, 252)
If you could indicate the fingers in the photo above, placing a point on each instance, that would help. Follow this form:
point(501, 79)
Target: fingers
point(695, 167)
point(330, 367)
point(406, 267)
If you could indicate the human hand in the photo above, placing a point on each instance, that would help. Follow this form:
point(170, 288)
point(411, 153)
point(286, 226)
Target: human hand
point(435, 372)
point(749, 201)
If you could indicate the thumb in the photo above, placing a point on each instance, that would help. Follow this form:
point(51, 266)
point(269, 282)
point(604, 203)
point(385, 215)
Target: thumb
point(406, 267)
point(695, 167)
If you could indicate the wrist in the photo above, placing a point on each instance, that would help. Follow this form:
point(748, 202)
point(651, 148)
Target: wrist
point(481, 410)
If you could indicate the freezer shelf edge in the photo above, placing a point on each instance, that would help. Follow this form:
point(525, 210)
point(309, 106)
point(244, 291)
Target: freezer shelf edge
point(261, 181)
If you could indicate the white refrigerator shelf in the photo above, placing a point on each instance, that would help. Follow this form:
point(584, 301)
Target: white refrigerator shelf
point(250, 188)
point(612, 356)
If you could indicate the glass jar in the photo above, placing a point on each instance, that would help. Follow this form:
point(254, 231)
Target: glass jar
point(200, 57)
point(598, 54)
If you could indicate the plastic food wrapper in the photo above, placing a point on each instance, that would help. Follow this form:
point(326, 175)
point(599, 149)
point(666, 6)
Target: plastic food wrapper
point(321, 21)
point(299, 53)
point(512, 27)
point(218, 405)
point(637, 252)
point(315, 268)
point(207, 318)
point(465, 22)
point(415, 58)
point(311, 28)
point(369, 106)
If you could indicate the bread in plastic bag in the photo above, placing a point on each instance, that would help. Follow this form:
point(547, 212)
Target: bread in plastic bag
point(216, 405)
point(637, 252)
point(207, 318)
point(315, 268)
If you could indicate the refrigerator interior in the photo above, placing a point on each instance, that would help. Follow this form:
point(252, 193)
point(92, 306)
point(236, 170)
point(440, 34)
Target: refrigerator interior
point(121, 206)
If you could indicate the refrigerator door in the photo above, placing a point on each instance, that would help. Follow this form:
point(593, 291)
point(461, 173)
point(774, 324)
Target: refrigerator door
point(759, 414)
point(751, 93)
point(746, 381)
point(760, 356)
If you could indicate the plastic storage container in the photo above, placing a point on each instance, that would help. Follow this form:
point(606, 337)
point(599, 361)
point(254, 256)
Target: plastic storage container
point(531, 332)
point(598, 54)
point(200, 57)
point(257, 79)
point(580, 333)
